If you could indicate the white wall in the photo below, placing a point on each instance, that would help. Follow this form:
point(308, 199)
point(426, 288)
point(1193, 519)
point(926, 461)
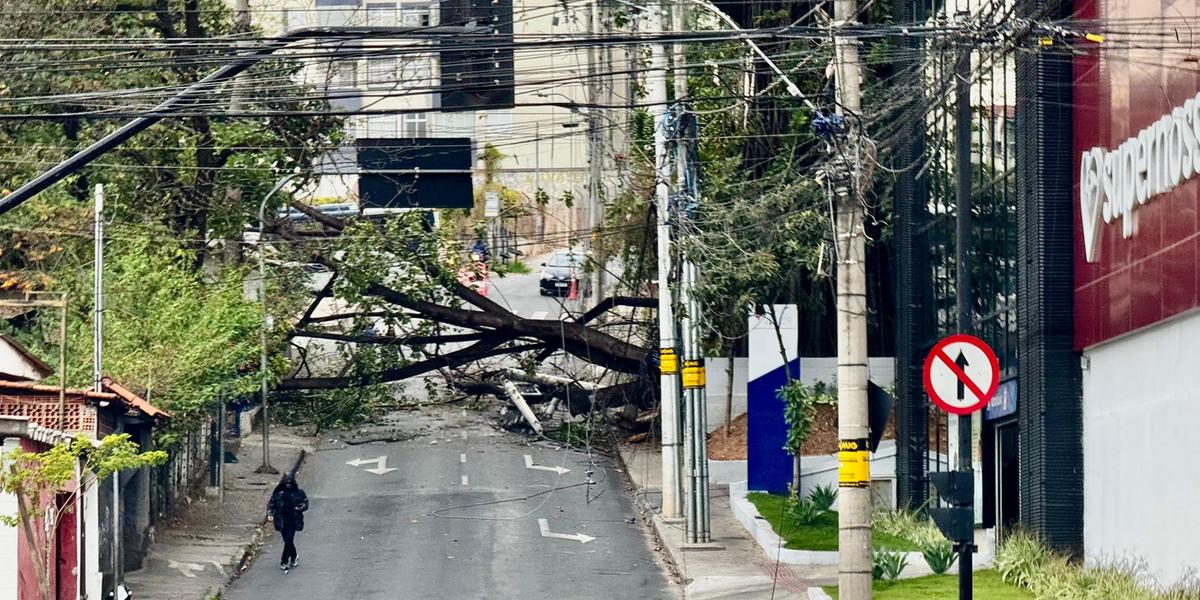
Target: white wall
point(8, 540)
point(15, 364)
point(1141, 403)
point(716, 388)
point(91, 534)
point(883, 372)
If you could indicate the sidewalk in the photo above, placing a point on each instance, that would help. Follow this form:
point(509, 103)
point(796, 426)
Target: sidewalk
point(196, 553)
point(739, 569)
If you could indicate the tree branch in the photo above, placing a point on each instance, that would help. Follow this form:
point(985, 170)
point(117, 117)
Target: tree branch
point(326, 291)
point(483, 349)
point(387, 340)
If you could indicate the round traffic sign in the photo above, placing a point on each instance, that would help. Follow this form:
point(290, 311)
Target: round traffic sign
point(961, 374)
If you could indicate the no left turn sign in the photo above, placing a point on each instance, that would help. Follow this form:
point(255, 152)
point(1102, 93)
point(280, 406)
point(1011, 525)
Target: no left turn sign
point(961, 374)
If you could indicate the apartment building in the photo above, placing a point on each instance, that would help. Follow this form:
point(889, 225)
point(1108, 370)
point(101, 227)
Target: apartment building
point(523, 102)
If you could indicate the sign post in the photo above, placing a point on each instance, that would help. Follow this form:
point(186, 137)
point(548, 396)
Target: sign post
point(961, 375)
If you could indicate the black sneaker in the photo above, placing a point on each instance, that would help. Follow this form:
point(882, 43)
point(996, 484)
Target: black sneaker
point(284, 567)
point(295, 562)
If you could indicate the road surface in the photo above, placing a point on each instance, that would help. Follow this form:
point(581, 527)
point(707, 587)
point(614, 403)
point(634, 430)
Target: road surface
point(462, 516)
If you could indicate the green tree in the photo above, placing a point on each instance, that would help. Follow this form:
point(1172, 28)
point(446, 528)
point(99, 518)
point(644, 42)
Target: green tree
point(799, 409)
point(32, 477)
point(171, 333)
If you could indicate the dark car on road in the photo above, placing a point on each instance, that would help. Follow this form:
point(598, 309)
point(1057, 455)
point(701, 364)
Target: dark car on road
point(558, 272)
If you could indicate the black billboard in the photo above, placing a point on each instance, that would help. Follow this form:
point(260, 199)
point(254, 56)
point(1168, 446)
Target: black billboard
point(415, 173)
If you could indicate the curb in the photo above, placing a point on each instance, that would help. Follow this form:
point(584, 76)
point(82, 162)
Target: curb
point(816, 593)
point(770, 542)
point(247, 556)
point(657, 525)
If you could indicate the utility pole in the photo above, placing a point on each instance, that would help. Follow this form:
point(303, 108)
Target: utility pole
point(854, 474)
point(118, 565)
point(693, 374)
point(98, 291)
point(241, 22)
point(595, 158)
point(963, 290)
point(656, 92)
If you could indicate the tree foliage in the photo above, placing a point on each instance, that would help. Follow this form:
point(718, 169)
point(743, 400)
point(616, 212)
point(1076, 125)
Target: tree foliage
point(175, 194)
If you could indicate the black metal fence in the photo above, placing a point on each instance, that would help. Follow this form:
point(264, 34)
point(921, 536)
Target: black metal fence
point(926, 209)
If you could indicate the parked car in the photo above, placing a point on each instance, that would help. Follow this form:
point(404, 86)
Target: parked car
point(558, 272)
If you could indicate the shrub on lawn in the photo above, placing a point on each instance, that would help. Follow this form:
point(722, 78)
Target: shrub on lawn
point(804, 511)
point(1024, 561)
point(823, 496)
point(888, 564)
point(907, 525)
point(939, 555)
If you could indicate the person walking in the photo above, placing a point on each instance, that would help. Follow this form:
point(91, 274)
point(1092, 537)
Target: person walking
point(286, 509)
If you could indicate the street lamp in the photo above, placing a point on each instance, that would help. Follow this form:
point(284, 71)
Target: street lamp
point(262, 332)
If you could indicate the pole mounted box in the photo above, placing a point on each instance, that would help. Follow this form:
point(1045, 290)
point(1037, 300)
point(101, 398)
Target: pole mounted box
point(956, 488)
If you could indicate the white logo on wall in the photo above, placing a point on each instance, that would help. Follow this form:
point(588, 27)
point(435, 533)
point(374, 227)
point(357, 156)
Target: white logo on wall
point(1114, 183)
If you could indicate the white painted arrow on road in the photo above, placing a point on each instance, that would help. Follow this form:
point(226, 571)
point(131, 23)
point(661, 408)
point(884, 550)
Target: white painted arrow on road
point(529, 465)
point(380, 463)
point(544, 525)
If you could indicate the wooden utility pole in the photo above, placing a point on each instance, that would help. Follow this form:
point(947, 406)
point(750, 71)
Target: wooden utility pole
point(854, 477)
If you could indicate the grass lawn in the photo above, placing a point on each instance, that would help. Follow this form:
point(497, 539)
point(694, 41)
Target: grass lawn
point(822, 535)
point(944, 587)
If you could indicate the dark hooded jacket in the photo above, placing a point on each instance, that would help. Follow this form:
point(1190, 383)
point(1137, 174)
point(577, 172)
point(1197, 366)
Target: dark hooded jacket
point(288, 503)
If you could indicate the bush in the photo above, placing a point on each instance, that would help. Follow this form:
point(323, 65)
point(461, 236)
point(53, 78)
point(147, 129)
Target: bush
point(939, 555)
point(888, 564)
point(804, 511)
point(1023, 561)
point(823, 496)
point(908, 525)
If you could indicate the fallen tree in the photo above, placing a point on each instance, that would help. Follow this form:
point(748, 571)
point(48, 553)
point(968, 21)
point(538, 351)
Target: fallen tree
point(430, 309)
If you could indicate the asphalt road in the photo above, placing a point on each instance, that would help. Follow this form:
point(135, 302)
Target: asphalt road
point(461, 516)
point(519, 293)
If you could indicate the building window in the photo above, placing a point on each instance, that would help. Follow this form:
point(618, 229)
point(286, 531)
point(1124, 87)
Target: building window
point(416, 125)
point(454, 124)
point(343, 74)
point(382, 126)
point(417, 71)
point(381, 72)
point(381, 14)
point(416, 14)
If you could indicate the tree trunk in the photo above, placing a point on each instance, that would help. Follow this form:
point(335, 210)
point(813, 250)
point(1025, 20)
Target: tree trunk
point(36, 550)
point(796, 472)
point(729, 388)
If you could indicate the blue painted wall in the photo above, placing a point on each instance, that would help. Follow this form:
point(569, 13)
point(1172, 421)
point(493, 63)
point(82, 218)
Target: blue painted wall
point(769, 466)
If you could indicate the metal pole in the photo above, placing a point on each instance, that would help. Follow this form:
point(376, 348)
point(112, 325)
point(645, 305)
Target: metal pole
point(62, 364)
point(963, 291)
point(221, 446)
point(98, 291)
point(854, 479)
point(262, 332)
point(656, 88)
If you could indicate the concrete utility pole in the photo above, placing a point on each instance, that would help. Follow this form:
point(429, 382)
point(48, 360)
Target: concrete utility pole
point(854, 476)
point(656, 92)
point(695, 418)
point(595, 157)
point(241, 22)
